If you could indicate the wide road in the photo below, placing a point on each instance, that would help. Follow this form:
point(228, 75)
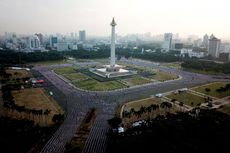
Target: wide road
point(77, 103)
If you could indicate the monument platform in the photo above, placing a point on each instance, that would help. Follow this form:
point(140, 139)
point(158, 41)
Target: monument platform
point(110, 72)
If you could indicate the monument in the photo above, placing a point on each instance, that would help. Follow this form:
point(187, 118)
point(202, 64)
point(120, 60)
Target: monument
point(112, 70)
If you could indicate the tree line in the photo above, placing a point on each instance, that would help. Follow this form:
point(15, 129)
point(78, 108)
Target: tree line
point(207, 66)
point(194, 131)
point(11, 57)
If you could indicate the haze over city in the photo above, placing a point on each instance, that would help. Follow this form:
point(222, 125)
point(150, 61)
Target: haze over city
point(133, 16)
point(114, 76)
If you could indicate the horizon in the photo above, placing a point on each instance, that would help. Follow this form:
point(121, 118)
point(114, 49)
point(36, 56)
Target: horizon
point(133, 17)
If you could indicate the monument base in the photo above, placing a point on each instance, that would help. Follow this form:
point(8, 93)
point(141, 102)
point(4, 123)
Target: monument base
point(111, 72)
point(115, 68)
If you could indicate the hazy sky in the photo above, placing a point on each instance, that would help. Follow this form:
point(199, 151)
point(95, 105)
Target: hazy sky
point(132, 16)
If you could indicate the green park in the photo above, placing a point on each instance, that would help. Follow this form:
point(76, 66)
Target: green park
point(83, 79)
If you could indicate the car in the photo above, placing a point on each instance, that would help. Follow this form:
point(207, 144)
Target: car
point(183, 89)
point(138, 123)
point(159, 95)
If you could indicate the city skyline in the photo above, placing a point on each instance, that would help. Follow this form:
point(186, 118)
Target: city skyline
point(136, 16)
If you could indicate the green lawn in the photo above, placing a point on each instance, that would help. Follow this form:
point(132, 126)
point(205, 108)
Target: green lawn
point(213, 88)
point(136, 105)
point(65, 70)
point(163, 76)
point(136, 80)
point(49, 62)
point(91, 84)
point(75, 76)
point(85, 81)
point(172, 65)
point(201, 71)
point(187, 98)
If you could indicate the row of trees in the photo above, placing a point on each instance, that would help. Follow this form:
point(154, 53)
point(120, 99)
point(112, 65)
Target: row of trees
point(224, 89)
point(11, 57)
point(181, 132)
point(208, 66)
point(146, 112)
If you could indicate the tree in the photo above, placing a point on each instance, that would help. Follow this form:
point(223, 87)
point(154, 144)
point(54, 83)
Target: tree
point(166, 106)
point(58, 118)
point(181, 103)
point(192, 103)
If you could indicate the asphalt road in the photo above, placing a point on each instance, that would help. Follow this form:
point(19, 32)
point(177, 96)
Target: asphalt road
point(77, 103)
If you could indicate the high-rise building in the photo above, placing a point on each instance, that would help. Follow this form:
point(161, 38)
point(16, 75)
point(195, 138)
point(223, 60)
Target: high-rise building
point(82, 36)
point(53, 41)
point(205, 41)
point(213, 46)
point(167, 41)
point(40, 37)
point(34, 42)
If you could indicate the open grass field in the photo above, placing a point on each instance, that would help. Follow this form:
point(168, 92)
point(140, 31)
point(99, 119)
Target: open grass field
point(49, 62)
point(75, 76)
point(18, 74)
point(187, 98)
point(65, 70)
point(213, 87)
point(91, 84)
point(155, 74)
point(163, 76)
point(172, 65)
point(87, 82)
point(37, 99)
point(136, 105)
point(136, 80)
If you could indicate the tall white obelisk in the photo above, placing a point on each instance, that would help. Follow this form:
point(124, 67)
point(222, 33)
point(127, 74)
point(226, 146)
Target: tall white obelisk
point(112, 52)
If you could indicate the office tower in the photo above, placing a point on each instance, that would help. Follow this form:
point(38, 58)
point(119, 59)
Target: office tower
point(53, 41)
point(82, 36)
point(40, 37)
point(34, 42)
point(214, 46)
point(205, 41)
point(167, 41)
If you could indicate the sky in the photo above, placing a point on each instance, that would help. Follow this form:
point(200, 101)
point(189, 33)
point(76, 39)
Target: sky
point(186, 17)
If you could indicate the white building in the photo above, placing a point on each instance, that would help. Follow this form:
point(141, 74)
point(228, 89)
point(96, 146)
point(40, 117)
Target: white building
point(167, 41)
point(74, 47)
point(192, 53)
point(34, 43)
point(214, 46)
